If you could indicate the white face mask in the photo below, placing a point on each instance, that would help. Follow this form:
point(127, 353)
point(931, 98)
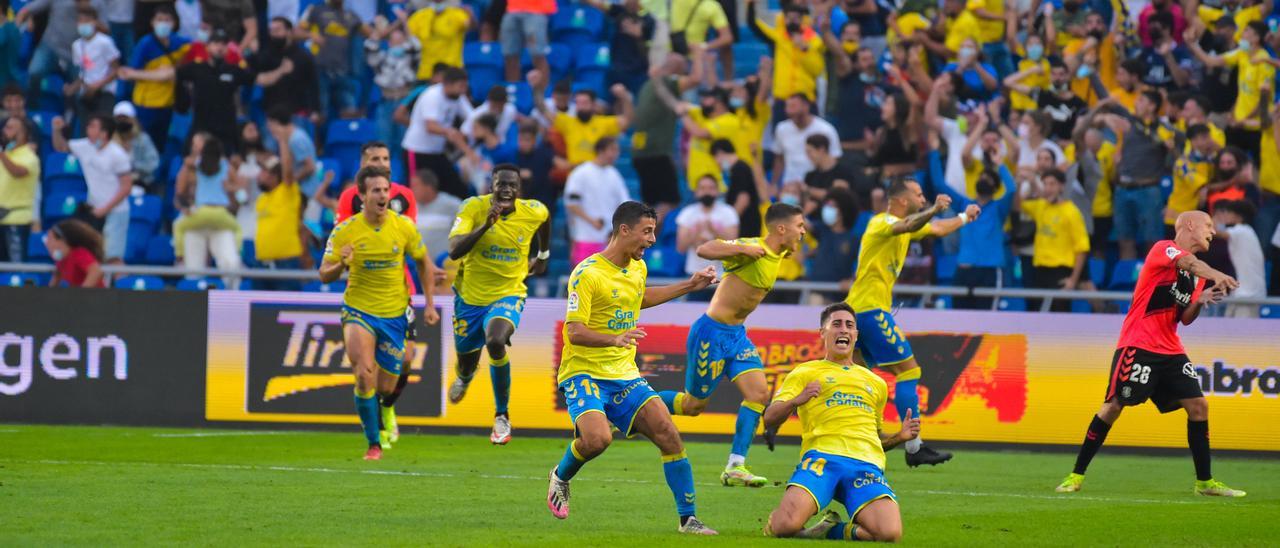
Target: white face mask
point(57, 254)
point(830, 215)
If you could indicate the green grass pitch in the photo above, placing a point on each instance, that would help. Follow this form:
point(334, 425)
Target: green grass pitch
point(128, 486)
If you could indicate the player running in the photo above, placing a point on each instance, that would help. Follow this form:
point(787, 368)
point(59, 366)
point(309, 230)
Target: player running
point(718, 347)
point(1150, 362)
point(841, 405)
point(350, 202)
point(880, 261)
point(598, 373)
point(491, 236)
point(373, 244)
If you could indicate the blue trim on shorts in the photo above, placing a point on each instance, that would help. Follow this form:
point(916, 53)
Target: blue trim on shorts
point(716, 351)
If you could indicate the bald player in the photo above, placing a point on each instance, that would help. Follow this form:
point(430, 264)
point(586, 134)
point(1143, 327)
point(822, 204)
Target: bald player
point(1149, 361)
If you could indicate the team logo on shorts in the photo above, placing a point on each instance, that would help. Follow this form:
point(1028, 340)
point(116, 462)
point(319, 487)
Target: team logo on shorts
point(1190, 371)
point(1126, 391)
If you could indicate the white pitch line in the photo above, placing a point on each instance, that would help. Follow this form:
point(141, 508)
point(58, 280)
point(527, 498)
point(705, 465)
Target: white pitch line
point(9, 431)
point(221, 434)
point(537, 478)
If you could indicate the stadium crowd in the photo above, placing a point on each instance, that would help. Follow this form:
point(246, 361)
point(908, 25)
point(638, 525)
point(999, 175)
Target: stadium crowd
point(163, 132)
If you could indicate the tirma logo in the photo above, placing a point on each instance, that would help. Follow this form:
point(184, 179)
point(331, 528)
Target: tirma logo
point(61, 357)
point(1226, 380)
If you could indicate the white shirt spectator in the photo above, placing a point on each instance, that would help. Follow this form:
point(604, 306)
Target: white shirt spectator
point(435, 106)
point(94, 57)
point(1246, 257)
point(954, 137)
point(435, 219)
point(505, 119)
point(788, 140)
point(102, 169)
point(1027, 155)
point(598, 190)
point(721, 216)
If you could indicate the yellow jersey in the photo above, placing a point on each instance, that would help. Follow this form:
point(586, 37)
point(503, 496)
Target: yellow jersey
point(752, 132)
point(279, 221)
point(880, 260)
point(960, 27)
point(17, 194)
point(1106, 68)
point(580, 137)
point(845, 417)
point(1022, 101)
point(150, 54)
point(1190, 173)
point(496, 267)
point(795, 70)
point(758, 273)
point(441, 34)
point(604, 298)
point(1060, 232)
point(992, 30)
point(1251, 72)
point(1269, 162)
point(376, 284)
point(1215, 133)
point(1103, 205)
point(909, 24)
point(1210, 15)
point(700, 161)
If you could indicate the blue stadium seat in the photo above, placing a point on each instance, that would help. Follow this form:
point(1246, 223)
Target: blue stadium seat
point(591, 62)
point(44, 122)
point(36, 251)
point(1098, 272)
point(136, 241)
point(1013, 304)
point(246, 284)
point(397, 169)
point(1081, 307)
point(1270, 312)
point(61, 205)
point(315, 286)
point(203, 284)
point(560, 58)
point(20, 279)
point(144, 209)
point(664, 262)
point(140, 283)
point(160, 251)
point(179, 128)
point(521, 95)
point(345, 137)
point(330, 163)
point(63, 171)
point(51, 98)
point(1125, 275)
point(249, 254)
point(945, 268)
point(577, 25)
point(943, 302)
point(484, 67)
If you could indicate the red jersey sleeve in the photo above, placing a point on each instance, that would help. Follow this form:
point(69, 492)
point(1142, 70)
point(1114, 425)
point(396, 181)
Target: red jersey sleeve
point(401, 192)
point(346, 205)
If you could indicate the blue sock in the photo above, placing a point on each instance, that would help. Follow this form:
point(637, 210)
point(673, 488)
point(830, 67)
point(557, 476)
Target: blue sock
point(570, 463)
point(904, 393)
point(680, 479)
point(500, 375)
point(367, 408)
point(745, 429)
point(669, 399)
point(842, 531)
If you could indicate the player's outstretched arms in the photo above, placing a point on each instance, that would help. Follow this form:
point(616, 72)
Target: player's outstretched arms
point(1201, 269)
point(582, 335)
point(332, 270)
point(778, 411)
point(916, 221)
point(1208, 297)
point(654, 296)
point(947, 226)
point(719, 250)
point(910, 431)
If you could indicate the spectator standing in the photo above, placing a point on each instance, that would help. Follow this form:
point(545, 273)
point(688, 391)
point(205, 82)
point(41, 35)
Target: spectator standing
point(1255, 73)
point(1060, 102)
point(798, 56)
point(15, 106)
point(1033, 136)
point(1233, 179)
point(209, 228)
point(708, 218)
point(1269, 181)
point(747, 187)
point(978, 79)
point(653, 142)
point(710, 121)
point(436, 210)
point(828, 172)
point(286, 71)
point(239, 18)
point(119, 17)
point(333, 28)
point(1177, 23)
point(302, 150)
point(628, 50)
point(860, 92)
point(536, 160)
point(498, 105)
point(151, 69)
point(489, 151)
point(96, 59)
point(583, 129)
point(432, 124)
point(394, 72)
point(790, 162)
point(249, 158)
point(190, 24)
point(991, 29)
point(1233, 218)
point(592, 192)
point(1191, 172)
point(214, 85)
point(143, 155)
point(1147, 150)
point(1061, 243)
point(693, 18)
point(440, 28)
point(10, 47)
point(278, 245)
point(837, 251)
point(76, 250)
point(525, 26)
point(109, 177)
point(1168, 64)
point(1032, 78)
point(19, 179)
point(53, 54)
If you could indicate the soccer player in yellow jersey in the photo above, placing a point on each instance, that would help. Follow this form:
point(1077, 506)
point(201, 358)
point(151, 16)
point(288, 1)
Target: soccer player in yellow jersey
point(842, 448)
point(880, 260)
point(598, 373)
point(491, 236)
point(373, 244)
point(718, 347)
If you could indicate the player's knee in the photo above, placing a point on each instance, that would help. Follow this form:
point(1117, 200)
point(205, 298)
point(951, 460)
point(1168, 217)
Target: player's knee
point(784, 524)
point(667, 438)
point(693, 406)
point(891, 533)
point(1197, 409)
point(757, 395)
point(591, 445)
point(497, 347)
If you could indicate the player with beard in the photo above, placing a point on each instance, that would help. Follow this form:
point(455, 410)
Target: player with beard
point(492, 236)
point(373, 245)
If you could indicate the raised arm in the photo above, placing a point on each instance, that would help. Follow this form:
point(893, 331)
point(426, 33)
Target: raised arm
point(625, 110)
point(1192, 38)
point(1201, 269)
point(719, 250)
point(914, 222)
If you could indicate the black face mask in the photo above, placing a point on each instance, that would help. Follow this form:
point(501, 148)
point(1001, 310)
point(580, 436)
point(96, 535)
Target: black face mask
point(1224, 174)
point(123, 126)
point(278, 43)
point(707, 201)
point(1098, 34)
point(264, 187)
point(793, 28)
point(584, 117)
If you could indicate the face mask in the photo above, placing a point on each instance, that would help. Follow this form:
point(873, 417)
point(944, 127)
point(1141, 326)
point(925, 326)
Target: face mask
point(395, 51)
point(584, 117)
point(790, 199)
point(9, 146)
point(706, 201)
point(1024, 131)
point(242, 196)
point(1244, 44)
point(736, 103)
point(57, 254)
point(793, 28)
point(867, 78)
point(1224, 174)
point(725, 165)
point(1083, 72)
point(86, 30)
point(163, 30)
point(202, 36)
point(123, 126)
point(830, 215)
point(1035, 51)
point(966, 53)
point(1060, 86)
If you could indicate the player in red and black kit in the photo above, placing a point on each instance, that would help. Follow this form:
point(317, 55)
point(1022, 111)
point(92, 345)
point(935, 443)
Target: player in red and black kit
point(376, 153)
point(1150, 362)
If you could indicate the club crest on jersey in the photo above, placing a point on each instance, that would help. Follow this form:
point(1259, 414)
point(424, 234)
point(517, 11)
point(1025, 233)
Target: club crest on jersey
point(1172, 252)
point(573, 301)
point(615, 293)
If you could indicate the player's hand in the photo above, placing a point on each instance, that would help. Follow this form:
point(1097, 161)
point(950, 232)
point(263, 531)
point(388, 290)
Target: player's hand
point(1224, 281)
point(810, 391)
point(347, 253)
point(430, 315)
point(941, 204)
point(598, 223)
point(910, 428)
point(537, 267)
point(753, 251)
point(630, 338)
point(1212, 296)
point(703, 278)
point(495, 213)
point(972, 212)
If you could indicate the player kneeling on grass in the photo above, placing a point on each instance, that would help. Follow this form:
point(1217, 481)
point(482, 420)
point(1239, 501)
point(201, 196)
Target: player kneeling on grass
point(1150, 362)
point(598, 373)
point(842, 448)
point(373, 244)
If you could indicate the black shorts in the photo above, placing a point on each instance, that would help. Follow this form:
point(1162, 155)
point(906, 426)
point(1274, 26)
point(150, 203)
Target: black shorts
point(1138, 375)
point(659, 183)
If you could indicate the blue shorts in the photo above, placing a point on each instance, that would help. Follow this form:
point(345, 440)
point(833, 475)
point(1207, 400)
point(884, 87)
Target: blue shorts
point(470, 321)
point(716, 351)
point(388, 335)
point(880, 340)
point(618, 400)
point(852, 482)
